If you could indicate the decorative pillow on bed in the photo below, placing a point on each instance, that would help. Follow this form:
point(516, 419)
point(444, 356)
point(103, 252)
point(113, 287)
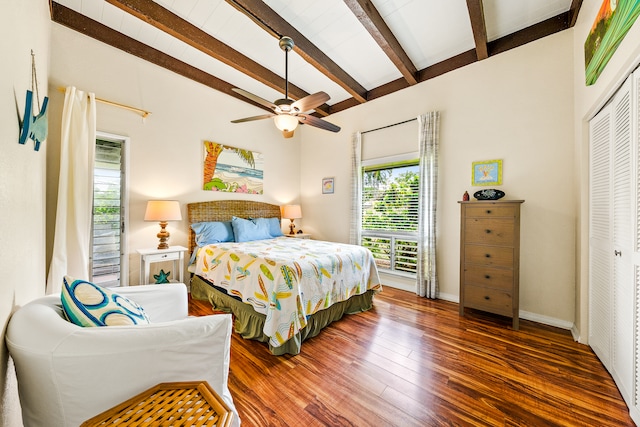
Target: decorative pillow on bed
point(87, 304)
point(273, 224)
point(213, 232)
point(245, 230)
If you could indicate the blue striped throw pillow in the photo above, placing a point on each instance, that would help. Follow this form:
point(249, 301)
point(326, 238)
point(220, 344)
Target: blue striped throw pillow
point(87, 304)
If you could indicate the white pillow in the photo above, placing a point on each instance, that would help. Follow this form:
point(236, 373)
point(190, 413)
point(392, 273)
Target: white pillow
point(87, 304)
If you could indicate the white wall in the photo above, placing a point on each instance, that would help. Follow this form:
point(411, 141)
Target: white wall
point(516, 106)
point(24, 26)
point(588, 101)
point(166, 150)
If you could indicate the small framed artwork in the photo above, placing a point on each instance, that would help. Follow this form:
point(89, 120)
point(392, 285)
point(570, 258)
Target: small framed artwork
point(488, 172)
point(327, 185)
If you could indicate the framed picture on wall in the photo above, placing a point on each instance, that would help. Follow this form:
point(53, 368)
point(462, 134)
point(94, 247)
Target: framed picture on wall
point(613, 21)
point(487, 172)
point(327, 185)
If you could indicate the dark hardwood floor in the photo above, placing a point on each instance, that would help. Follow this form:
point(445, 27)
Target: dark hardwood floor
point(414, 362)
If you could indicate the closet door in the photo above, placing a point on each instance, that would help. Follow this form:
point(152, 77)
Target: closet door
point(623, 203)
point(635, 102)
point(600, 270)
point(614, 245)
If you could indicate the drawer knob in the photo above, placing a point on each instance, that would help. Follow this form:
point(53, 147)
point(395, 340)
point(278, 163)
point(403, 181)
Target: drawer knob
point(488, 211)
point(487, 231)
point(486, 276)
point(487, 297)
point(487, 255)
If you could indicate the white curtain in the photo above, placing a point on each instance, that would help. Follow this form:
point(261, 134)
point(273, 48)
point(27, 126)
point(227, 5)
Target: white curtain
point(355, 232)
point(429, 135)
point(71, 246)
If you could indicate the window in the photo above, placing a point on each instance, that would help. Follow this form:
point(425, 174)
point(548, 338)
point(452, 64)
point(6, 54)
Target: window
point(390, 215)
point(108, 222)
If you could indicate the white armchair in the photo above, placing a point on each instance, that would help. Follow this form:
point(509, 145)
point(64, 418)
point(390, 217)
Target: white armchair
point(68, 374)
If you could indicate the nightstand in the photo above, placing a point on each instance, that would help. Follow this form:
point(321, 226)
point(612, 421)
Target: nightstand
point(299, 235)
point(151, 255)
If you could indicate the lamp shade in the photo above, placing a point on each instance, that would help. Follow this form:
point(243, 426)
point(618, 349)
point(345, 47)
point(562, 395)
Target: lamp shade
point(285, 122)
point(163, 210)
point(291, 212)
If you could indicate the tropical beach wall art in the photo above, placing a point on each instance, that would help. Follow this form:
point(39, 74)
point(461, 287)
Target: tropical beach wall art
point(232, 169)
point(611, 25)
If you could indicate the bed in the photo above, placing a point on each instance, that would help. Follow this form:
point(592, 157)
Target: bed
point(280, 290)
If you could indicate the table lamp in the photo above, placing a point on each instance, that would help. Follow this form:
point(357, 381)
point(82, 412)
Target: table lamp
point(163, 211)
point(291, 212)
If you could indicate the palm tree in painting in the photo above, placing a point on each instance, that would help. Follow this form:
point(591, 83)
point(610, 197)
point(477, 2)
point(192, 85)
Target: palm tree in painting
point(211, 160)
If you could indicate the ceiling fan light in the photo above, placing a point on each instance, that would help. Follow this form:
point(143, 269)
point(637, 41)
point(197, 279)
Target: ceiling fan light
point(285, 122)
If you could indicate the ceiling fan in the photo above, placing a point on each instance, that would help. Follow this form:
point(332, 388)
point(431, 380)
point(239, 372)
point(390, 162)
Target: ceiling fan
point(287, 113)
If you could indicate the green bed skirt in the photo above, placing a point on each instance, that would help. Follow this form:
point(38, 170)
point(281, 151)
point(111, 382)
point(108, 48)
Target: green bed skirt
point(249, 324)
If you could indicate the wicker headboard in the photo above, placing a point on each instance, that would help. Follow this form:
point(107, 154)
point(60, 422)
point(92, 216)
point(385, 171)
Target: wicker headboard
point(223, 210)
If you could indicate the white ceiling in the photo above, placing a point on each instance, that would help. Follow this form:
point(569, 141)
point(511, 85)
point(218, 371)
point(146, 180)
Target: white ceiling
point(430, 31)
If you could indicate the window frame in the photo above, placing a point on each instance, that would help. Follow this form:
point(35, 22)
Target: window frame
point(388, 162)
point(124, 216)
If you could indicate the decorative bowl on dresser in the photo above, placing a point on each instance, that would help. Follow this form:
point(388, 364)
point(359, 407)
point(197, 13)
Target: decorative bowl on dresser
point(490, 257)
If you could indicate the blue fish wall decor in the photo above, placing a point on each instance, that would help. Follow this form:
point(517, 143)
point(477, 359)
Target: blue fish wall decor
point(34, 127)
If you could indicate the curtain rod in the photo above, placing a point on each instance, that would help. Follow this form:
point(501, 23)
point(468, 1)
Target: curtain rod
point(388, 126)
point(140, 111)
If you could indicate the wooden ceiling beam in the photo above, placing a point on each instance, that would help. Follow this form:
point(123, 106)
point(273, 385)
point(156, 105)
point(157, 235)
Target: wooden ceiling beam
point(275, 25)
point(91, 28)
point(373, 22)
point(519, 38)
point(163, 19)
point(534, 32)
point(430, 72)
point(573, 12)
point(479, 28)
point(80, 23)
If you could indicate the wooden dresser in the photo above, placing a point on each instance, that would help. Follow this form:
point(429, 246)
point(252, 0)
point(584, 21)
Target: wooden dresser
point(490, 257)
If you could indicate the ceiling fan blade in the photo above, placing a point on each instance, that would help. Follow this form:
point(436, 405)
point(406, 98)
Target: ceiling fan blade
point(255, 98)
point(319, 123)
point(310, 102)
point(249, 119)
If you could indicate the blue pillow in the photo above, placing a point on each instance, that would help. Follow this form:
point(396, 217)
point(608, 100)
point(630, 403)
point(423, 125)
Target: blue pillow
point(273, 224)
point(245, 230)
point(212, 232)
point(87, 304)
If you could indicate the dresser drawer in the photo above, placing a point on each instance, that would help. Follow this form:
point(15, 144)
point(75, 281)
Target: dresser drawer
point(495, 256)
point(486, 299)
point(495, 278)
point(496, 231)
point(491, 211)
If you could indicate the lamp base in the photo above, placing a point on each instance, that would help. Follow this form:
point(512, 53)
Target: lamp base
point(292, 227)
point(163, 235)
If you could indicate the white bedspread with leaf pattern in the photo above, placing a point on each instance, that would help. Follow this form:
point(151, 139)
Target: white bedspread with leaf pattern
point(288, 279)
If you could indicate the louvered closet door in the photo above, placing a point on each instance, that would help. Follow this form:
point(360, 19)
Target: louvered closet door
point(600, 271)
point(614, 245)
point(622, 363)
point(635, 91)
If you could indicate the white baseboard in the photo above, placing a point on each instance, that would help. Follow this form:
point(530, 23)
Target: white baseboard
point(401, 286)
point(634, 412)
point(534, 317)
point(546, 320)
